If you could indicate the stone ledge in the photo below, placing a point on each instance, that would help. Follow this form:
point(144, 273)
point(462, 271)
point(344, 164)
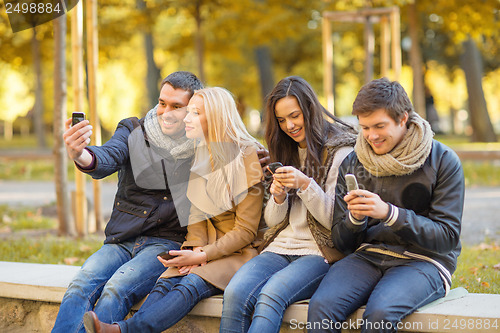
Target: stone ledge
point(459, 311)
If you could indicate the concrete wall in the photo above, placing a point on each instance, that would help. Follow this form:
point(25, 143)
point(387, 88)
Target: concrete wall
point(23, 316)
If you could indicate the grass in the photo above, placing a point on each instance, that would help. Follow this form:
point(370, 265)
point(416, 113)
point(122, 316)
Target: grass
point(478, 269)
point(49, 249)
point(16, 224)
point(25, 218)
point(481, 173)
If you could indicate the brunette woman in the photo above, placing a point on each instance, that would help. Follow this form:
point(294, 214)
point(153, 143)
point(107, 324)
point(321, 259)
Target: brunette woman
point(297, 249)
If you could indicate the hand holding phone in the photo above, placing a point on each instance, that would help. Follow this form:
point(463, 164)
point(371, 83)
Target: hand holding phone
point(274, 166)
point(77, 117)
point(165, 255)
point(351, 182)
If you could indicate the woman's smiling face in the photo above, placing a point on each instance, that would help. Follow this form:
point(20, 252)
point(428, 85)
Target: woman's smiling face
point(291, 119)
point(196, 119)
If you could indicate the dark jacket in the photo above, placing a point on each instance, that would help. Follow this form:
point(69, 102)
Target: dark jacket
point(428, 205)
point(142, 209)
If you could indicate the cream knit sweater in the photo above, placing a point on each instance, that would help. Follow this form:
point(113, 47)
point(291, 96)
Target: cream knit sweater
point(296, 238)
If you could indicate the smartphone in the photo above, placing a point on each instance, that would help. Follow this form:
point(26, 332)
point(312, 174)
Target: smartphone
point(76, 117)
point(165, 255)
point(273, 166)
point(351, 182)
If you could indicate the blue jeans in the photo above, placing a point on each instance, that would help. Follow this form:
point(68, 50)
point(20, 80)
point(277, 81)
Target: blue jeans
point(391, 288)
point(260, 291)
point(169, 301)
point(116, 277)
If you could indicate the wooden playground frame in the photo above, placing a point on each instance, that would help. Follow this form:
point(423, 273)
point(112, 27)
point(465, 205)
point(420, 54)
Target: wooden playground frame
point(390, 44)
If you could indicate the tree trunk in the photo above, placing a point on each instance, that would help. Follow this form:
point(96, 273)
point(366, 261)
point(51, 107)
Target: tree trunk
point(264, 63)
point(38, 107)
point(66, 226)
point(416, 62)
point(8, 131)
point(478, 112)
point(153, 76)
point(200, 47)
point(369, 45)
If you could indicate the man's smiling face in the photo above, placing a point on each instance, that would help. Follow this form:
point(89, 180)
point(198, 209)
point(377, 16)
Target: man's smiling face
point(381, 131)
point(172, 110)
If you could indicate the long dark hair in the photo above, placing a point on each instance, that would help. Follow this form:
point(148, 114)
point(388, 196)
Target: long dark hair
point(283, 148)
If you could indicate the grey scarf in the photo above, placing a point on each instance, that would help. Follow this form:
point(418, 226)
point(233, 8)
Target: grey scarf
point(180, 148)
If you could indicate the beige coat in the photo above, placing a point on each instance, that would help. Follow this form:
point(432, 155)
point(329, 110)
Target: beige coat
point(226, 238)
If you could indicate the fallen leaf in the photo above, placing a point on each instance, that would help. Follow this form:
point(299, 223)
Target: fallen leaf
point(85, 248)
point(497, 266)
point(70, 260)
point(473, 270)
point(485, 284)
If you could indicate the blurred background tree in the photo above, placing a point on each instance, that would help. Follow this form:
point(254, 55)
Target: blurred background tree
point(248, 45)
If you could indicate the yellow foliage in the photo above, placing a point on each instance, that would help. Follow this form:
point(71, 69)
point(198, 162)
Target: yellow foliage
point(15, 97)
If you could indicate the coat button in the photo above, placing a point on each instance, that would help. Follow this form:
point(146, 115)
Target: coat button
point(164, 198)
point(145, 212)
point(118, 204)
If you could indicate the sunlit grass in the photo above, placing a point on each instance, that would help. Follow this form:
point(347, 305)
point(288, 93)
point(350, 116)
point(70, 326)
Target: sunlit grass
point(14, 219)
point(463, 143)
point(478, 269)
point(481, 173)
point(49, 249)
point(37, 170)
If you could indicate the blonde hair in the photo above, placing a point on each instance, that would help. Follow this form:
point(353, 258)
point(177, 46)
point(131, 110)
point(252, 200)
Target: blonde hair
point(224, 125)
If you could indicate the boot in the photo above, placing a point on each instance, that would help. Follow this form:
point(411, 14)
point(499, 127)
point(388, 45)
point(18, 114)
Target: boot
point(93, 325)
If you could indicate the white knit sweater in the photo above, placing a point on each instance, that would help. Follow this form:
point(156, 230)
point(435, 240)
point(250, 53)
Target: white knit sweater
point(296, 238)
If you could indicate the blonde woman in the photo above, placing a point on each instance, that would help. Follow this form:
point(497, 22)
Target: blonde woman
point(226, 194)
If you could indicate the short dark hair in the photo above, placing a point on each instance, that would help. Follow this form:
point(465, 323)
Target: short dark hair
point(383, 94)
point(183, 80)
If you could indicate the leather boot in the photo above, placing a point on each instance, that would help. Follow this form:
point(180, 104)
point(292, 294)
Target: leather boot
point(93, 325)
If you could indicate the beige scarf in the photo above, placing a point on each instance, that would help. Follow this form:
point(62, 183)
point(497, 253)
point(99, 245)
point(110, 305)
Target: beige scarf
point(408, 156)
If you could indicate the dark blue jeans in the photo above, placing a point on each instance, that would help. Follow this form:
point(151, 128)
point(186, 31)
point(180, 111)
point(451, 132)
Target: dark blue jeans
point(116, 277)
point(169, 301)
point(391, 288)
point(260, 292)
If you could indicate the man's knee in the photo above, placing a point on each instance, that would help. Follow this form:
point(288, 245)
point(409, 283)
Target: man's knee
point(317, 307)
point(379, 316)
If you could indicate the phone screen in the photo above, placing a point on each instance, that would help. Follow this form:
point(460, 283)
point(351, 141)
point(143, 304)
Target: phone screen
point(76, 117)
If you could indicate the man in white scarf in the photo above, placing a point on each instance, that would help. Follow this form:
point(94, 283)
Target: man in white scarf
point(400, 231)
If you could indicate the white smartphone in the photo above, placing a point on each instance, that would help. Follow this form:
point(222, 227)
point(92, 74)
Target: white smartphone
point(351, 182)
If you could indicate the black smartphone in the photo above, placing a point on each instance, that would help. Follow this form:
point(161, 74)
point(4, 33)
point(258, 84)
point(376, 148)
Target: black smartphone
point(273, 166)
point(76, 117)
point(165, 255)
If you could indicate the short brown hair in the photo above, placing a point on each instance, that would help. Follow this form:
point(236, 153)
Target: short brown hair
point(183, 80)
point(383, 94)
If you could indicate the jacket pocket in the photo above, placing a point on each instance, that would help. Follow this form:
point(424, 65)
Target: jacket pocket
point(127, 220)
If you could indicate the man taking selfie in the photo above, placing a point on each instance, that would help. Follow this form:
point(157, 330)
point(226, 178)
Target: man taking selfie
point(152, 157)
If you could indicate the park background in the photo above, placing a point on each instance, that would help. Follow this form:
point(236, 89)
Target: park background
point(245, 46)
